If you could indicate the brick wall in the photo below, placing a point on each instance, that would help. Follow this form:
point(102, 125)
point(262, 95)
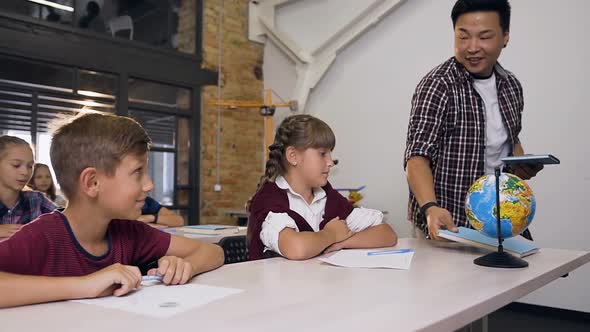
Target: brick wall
point(242, 130)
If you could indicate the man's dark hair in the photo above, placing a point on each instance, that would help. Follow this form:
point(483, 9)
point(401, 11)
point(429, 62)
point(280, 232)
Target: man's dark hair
point(502, 7)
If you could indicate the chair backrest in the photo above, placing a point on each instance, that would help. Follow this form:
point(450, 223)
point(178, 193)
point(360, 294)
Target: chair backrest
point(121, 23)
point(235, 249)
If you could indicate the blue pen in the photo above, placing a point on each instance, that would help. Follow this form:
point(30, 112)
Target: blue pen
point(152, 278)
point(389, 252)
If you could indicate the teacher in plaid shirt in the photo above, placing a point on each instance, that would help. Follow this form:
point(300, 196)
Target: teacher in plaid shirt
point(466, 116)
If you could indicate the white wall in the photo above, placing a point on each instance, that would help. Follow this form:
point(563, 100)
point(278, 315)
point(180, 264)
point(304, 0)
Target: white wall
point(365, 98)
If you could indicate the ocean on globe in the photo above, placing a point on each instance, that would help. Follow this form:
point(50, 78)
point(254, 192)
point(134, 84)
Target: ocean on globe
point(517, 205)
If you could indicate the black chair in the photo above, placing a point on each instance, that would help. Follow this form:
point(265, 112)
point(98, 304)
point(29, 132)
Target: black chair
point(235, 249)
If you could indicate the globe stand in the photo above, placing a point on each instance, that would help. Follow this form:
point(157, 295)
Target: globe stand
point(500, 258)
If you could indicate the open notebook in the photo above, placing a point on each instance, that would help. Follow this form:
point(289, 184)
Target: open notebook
point(519, 248)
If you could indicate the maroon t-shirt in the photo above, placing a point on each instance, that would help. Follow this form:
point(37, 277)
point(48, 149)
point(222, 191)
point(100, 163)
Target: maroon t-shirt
point(47, 246)
point(271, 198)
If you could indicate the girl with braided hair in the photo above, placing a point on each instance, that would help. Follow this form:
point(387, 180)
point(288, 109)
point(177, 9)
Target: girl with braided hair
point(295, 212)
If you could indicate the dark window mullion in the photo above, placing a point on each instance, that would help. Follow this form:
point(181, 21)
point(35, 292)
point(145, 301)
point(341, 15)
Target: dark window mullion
point(34, 120)
point(122, 101)
point(194, 157)
point(76, 80)
point(175, 199)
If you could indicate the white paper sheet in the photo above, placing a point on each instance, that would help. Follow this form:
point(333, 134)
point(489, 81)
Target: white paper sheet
point(164, 301)
point(362, 259)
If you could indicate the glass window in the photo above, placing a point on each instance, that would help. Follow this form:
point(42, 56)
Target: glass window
point(15, 110)
point(43, 147)
point(160, 127)
point(183, 197)
point(56, 11)
point(50, 106)
point(157, 94)
point(183, 213)
point(93, 84)
point(161, 170)
point(34, 74)
point(166, 24)
point(33, 94)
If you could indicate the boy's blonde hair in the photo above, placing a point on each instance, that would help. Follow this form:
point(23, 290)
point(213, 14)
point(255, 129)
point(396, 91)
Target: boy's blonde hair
point(99, 140)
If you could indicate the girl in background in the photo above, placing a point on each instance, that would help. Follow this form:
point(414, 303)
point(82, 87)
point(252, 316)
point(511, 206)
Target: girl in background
point(18, 207)
point(295, 212)
point(42, 181)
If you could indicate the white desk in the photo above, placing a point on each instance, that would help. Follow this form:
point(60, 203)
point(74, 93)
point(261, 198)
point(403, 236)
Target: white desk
point(442, 291)
point(205, 237)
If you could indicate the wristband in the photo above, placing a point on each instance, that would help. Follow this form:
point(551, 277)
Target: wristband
point(427, 206)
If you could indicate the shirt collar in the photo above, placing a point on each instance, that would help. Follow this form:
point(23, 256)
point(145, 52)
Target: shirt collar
point(318, 193)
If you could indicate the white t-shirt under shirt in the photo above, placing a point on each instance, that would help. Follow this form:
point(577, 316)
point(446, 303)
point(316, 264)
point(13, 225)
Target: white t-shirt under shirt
point(358, 220)
point(497, 143)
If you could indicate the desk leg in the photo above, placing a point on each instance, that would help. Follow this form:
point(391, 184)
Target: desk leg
point(480, 325)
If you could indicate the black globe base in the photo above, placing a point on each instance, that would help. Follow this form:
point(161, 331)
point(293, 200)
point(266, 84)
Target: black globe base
point(501, 260)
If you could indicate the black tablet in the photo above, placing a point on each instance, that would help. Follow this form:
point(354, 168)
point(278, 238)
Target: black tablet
point(535, 159)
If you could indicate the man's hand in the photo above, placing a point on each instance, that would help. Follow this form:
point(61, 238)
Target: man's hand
point(525, 171)
point(437, 218)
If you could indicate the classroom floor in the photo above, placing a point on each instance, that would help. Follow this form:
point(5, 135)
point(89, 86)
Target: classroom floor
point(507, 319)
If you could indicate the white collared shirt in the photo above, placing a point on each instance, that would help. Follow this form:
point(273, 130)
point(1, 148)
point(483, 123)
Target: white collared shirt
point(358, 220)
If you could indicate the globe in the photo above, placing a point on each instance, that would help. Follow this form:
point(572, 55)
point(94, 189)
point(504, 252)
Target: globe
point(517, 205)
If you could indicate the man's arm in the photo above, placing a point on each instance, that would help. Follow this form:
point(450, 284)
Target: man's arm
point(420, 179)
point(421, 184)
point(429, 105)
point(517, 150)
point(523, 171)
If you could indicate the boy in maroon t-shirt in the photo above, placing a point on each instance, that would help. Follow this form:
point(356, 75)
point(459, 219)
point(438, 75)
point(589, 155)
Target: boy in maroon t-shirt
point(95, 246)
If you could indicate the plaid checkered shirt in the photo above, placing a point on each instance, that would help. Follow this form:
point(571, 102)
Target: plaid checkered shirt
point(447, 127)
point(30, 205)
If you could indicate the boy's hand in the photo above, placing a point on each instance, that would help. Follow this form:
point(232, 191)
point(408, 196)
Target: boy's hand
point(147, 218)
point(338, 229)
point(175, 270)
point(8, 229)
point(117, 280)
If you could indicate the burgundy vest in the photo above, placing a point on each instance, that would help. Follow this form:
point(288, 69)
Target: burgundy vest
point(271, 198)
